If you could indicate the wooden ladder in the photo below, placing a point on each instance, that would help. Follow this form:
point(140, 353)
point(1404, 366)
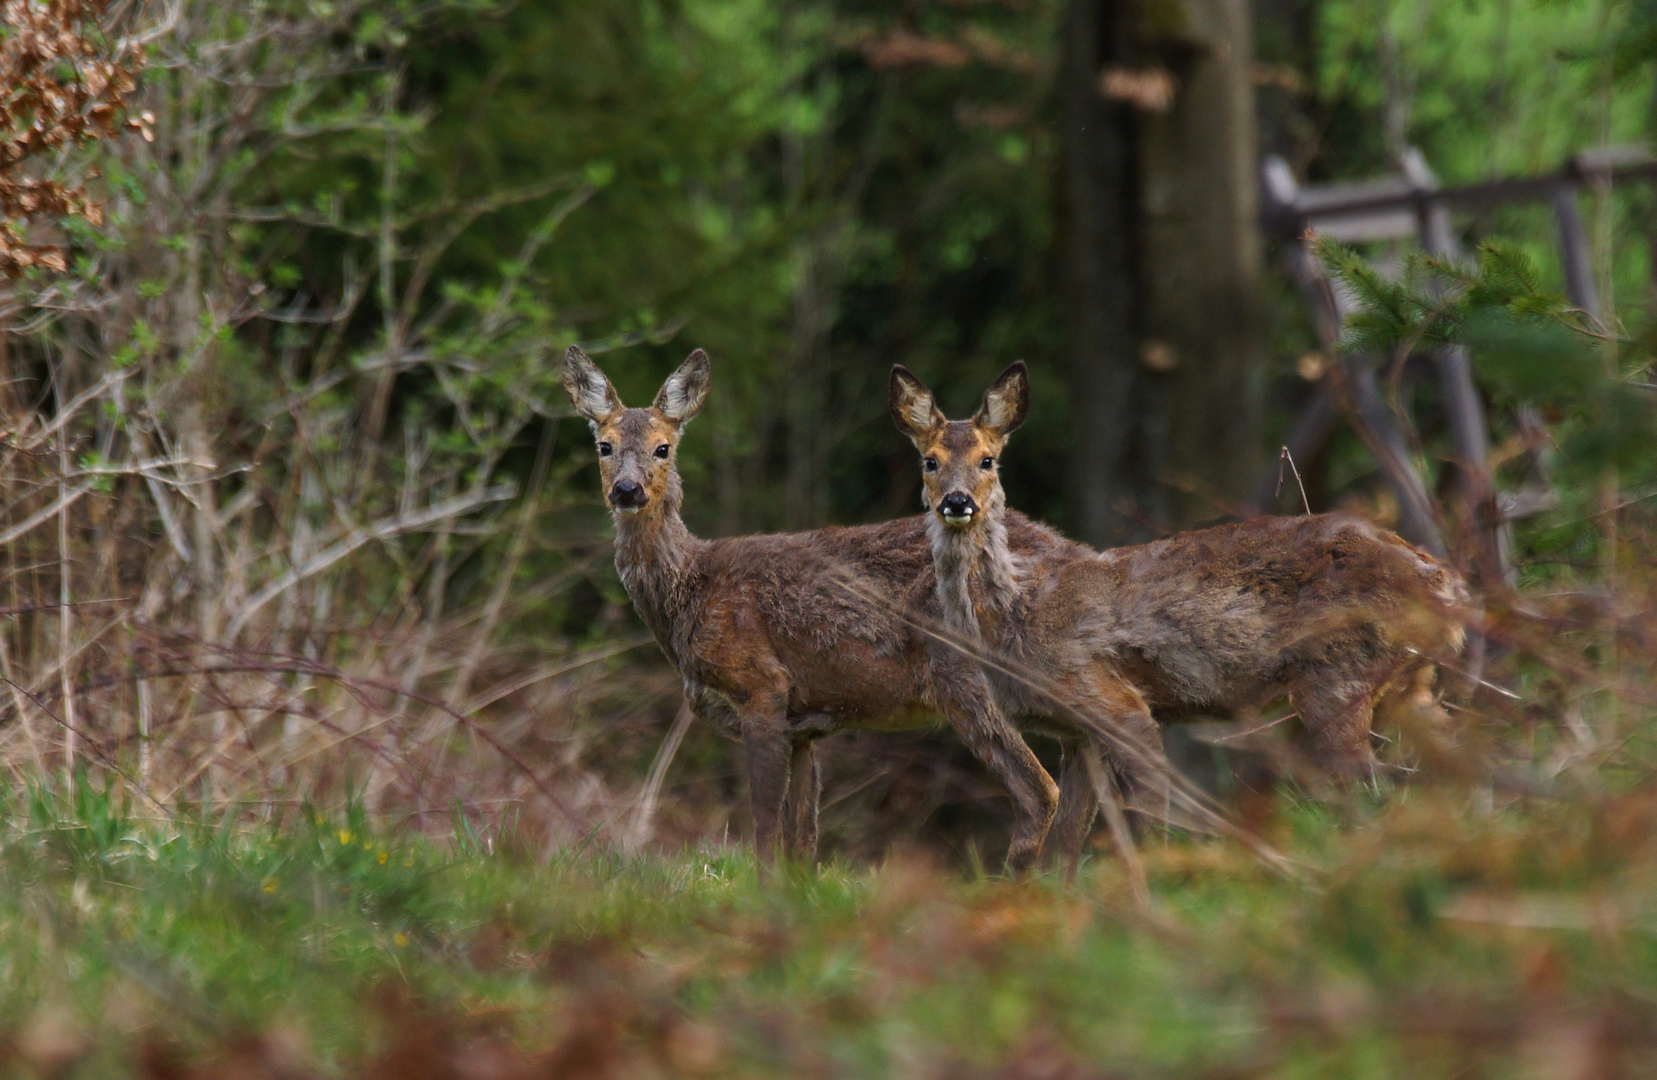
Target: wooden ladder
point(1410, 204)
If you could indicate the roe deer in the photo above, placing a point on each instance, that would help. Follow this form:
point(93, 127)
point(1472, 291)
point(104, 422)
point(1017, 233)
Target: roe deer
point(775, 636)
point(1328, 610)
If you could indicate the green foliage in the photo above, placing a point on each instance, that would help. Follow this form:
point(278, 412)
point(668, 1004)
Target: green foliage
point(761, 189)
point(1537, 358)
point(1485, 89)
point(1530, 359)
point(1435, 302)
point(1529, 346)
point(1489, 90)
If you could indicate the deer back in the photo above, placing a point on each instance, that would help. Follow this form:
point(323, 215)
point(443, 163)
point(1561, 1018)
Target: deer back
point(1209, 617)
point(841, 614)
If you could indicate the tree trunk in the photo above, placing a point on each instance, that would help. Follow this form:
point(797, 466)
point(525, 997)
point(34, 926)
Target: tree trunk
point(1199, 169)
point(1161, 264)
point(1110, 481)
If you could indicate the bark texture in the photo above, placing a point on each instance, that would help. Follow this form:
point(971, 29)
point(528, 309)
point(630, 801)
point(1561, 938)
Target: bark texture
point(1161, 263)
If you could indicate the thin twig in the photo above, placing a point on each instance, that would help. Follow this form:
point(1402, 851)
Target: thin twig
point(381, 530)
point(280, 663)
point(1285, 457)
point(71, 603)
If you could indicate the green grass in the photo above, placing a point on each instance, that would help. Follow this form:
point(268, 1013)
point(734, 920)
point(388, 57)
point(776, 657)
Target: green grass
point(133, 946)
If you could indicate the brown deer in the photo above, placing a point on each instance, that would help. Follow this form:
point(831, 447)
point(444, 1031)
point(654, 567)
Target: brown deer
point(782, 639)
point(1327, 609)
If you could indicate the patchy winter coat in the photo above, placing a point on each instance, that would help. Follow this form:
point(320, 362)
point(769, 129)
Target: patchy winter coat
point(782, 639)
point(1328, 610)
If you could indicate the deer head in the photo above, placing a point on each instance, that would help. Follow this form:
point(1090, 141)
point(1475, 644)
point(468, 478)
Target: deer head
point(636, 447)
point(959, 457)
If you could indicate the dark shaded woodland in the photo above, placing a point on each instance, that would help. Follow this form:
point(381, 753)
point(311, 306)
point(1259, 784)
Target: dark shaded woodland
point(288, 467)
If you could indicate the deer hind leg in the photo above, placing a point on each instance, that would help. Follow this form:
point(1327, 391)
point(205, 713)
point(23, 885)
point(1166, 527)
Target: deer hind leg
point(1078, 806)
point(964, 698)
point(805, 784)
point(1119, 722)
point(1336, 713)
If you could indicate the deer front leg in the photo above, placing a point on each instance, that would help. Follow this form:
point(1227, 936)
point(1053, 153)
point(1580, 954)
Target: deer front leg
point(800, 809)
point(964, 698)
point(765, 740)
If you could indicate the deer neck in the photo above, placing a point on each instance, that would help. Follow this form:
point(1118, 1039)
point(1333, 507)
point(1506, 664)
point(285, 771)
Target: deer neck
point(654, 552)
point(977, 580)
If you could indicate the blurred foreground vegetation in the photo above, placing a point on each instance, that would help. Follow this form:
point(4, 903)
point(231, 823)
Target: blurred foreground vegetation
point(1522, 941)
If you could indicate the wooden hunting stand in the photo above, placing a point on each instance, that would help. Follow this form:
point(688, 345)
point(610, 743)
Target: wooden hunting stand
point(1411, 204)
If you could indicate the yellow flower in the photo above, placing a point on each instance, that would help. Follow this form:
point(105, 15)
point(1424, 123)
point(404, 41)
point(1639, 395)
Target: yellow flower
point(400, 938)
point(269, 885)
point(344, 837)
point(382, 858)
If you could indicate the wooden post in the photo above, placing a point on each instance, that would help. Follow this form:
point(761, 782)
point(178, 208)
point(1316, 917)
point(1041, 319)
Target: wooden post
point(1464, 409)
point(1099, 271)
point(1380, 431)
point(1350, 382)
point(1200, 253)
point(1574, 251)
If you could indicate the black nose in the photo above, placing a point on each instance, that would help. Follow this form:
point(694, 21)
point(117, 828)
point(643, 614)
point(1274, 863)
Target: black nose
point(627, 495)
point(957, 504)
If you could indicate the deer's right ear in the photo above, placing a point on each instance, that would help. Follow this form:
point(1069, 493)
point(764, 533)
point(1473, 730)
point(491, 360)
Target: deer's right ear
point(914, 410)
point(590, 392)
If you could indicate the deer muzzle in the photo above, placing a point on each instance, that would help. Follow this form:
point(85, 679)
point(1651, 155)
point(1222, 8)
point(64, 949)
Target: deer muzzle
point(957, 508)
point(628, 496)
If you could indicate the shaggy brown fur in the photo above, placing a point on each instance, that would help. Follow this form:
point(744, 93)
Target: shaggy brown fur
point(1328, 610)
point(783, 639)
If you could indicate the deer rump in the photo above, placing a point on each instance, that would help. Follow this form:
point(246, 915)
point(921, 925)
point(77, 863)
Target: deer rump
point(1327, 609)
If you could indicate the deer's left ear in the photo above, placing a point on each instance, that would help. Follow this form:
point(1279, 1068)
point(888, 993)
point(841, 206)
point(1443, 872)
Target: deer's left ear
point(1006, 402)
point(682, 396)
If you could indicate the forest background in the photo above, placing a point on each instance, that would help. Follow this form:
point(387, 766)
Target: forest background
point(295, 508)
point(292, 412)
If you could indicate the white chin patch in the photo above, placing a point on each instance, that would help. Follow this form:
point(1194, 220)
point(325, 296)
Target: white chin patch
point(628, 510)
point(958, 520)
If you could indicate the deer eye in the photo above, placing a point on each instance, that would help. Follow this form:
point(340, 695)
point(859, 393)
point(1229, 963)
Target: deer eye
point(662, 451)
point(605, 449)
point(930, 464)
point(987, 463)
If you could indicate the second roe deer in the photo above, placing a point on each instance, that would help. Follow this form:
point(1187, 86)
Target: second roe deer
point(782, 639)
point(1327, 610)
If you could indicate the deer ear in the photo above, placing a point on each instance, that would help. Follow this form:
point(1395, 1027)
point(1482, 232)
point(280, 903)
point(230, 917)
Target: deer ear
point(590, 392)
point(1006, 402)
point(913, 409)
point(682, 396)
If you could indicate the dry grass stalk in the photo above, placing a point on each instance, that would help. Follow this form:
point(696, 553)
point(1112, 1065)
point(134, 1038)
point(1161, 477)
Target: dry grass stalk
point(240, 603)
